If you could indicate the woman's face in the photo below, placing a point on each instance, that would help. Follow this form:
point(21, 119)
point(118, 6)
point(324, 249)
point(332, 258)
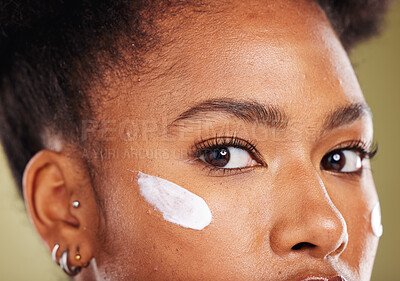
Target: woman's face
point(254, 108)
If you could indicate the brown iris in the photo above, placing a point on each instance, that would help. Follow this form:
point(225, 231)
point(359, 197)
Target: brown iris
point(334, 160)
point(218, 157)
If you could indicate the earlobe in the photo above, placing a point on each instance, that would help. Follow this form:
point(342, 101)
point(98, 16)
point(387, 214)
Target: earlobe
point(52, 182)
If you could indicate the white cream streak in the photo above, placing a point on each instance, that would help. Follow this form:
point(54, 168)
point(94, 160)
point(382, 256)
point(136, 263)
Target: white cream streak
point(176, 204)
point(376, 223)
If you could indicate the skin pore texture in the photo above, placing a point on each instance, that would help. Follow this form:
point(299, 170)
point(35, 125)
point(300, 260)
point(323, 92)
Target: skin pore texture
point(267, 77)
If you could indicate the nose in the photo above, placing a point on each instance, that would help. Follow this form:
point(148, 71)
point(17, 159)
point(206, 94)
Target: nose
point(307, 222)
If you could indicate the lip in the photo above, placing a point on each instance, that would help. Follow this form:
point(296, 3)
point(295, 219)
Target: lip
point(333, 278)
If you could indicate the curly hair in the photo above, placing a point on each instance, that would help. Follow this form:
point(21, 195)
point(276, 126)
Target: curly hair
point(49, 54)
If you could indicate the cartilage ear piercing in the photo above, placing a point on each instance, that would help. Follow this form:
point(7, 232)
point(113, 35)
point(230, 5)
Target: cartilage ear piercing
point(76, 203)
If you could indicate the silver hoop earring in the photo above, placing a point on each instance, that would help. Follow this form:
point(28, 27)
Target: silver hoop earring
point(71, 271)
point(54, 253)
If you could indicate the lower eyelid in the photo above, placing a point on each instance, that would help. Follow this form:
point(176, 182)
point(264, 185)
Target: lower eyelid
point(220, 172)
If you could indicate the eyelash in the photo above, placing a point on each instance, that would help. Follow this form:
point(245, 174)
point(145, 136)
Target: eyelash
point(227, 141)
point(365, 150)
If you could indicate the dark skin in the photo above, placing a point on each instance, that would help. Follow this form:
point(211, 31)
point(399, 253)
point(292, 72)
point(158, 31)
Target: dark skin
point(283, 216)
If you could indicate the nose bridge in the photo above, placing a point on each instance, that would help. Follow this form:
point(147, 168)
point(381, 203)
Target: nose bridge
point(303, 181)
point(299, 179)
point(307, 221)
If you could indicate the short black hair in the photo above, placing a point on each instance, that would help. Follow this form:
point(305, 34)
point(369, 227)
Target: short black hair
point(50, 51)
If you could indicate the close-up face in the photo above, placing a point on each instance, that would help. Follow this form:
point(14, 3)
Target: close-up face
point(240, 152)
point(242, 156)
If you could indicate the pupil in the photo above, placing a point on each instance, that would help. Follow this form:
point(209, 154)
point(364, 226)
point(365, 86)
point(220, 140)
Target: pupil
point(334, 161)
point(336, 157)
point(218, 157)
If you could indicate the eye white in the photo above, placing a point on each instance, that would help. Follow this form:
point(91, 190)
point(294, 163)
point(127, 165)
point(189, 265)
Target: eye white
point(239, 158)
point(352, 161)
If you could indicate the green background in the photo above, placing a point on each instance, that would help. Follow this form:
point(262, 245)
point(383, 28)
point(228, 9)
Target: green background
point(377, 64)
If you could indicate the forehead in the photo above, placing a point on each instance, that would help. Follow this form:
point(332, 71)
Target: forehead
point(276, 52)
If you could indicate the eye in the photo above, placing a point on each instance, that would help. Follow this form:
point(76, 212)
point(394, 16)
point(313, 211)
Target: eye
point(228, 157)
point(346, 161)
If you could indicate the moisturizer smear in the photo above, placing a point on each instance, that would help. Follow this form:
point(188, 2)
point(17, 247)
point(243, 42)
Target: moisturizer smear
point(376, 223)
point(176, 204)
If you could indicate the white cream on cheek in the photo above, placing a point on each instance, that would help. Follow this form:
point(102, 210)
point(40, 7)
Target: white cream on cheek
point(376, 223)
point(176, 204)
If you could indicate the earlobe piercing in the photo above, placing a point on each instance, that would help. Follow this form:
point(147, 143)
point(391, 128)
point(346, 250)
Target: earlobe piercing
point(77, 255)
point(54, 253)
point(63, 262)
point(71, 271)
point(76, 203)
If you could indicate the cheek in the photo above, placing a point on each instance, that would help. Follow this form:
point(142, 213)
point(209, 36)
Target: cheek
point(361, 217)
point(176, 204)
point(152, 231)
point(184, 233)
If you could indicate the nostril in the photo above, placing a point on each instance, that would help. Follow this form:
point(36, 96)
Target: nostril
point(339, 250)
point(303, 246)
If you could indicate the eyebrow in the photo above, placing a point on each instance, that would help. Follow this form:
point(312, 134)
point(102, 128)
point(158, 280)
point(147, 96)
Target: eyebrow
point(248, 111)
point(270, 115)
point(345, 115)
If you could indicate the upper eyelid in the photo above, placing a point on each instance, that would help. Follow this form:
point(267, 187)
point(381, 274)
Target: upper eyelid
point(234, 141)
point(368, 149)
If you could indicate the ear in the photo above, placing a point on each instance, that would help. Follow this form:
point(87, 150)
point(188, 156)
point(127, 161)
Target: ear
point(52, 182)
